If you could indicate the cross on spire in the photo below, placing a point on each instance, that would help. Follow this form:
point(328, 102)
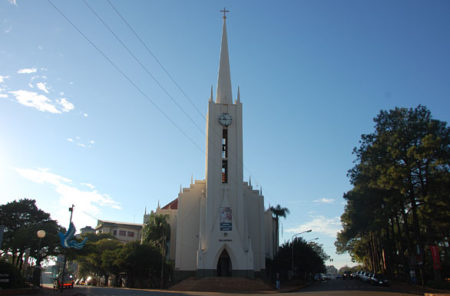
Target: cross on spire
point(224, 10)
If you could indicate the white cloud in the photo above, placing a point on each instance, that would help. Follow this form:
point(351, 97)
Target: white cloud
point(320, 224)
point(27, 71)
point(3, 96)
point(87, 202)
point(42, 86)
point(41, 102)
point(8, 30)
point(78, 142)
point(88, 185)
point(85, 115)
point(2, 78)
point(13, 2)
point(34, 100)
point(66, 105)
point(325, 200)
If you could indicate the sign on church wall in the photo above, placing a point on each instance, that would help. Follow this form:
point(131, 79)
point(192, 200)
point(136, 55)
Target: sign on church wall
point(225, 219)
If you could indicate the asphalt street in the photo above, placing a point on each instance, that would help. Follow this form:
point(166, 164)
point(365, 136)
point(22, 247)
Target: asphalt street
point(327, 288)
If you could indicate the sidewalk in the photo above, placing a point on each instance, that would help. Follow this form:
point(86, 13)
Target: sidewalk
point(417, 289)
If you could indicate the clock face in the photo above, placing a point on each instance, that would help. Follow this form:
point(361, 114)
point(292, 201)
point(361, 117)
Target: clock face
point(225, 119)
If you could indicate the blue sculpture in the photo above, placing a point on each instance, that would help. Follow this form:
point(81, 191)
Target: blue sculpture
point(68, 240)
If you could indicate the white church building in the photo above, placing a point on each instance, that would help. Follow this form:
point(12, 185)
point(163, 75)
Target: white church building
point(219, 226)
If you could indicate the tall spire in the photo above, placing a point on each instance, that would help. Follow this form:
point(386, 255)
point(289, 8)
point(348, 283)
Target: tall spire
point(224, 80)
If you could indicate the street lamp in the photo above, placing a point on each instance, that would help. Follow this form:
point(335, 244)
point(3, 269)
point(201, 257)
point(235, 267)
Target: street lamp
point(37, 271)
point(292, 255)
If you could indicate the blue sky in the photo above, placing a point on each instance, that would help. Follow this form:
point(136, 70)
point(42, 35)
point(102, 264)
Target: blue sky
point(312, 75)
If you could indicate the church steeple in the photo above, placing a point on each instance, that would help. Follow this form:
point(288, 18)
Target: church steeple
point(224, 80)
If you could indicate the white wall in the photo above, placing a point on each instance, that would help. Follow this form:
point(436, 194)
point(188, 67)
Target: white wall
point(187, 229)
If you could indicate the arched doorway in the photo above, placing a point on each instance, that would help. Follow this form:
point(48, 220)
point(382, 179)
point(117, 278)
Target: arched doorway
point(224, 264)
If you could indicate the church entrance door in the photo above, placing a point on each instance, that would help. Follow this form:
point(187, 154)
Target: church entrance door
point(224, 264)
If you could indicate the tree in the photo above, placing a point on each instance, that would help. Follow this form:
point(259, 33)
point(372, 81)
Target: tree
point(22, 219)
point(400, 200)
point(100, 258)
point(156, 232)
point(277, 212)
point(142, 264)
point(308, 258)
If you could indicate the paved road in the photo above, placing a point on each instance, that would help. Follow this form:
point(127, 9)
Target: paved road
point(329, 288)
point(351, 288)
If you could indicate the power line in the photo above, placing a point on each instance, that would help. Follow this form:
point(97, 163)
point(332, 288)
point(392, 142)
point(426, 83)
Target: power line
point(125, 76)
point(143, 66)
point(156, 59)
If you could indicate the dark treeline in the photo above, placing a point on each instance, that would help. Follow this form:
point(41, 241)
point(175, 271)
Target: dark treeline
point(399, 205)
point(297, 259)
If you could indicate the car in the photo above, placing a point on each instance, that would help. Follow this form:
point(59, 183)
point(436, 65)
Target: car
point(66, 283)
point(320, 277)
point(347, 275)
point(91, 281)
point(379, 280)
point(364, 276)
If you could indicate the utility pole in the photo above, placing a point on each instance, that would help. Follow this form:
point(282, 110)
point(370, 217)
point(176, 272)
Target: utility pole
point(65, 255)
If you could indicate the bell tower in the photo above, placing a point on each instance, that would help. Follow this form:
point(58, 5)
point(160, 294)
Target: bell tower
point(223, 225)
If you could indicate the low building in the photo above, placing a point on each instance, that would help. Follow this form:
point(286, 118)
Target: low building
point(123, 231)
point(87, 229)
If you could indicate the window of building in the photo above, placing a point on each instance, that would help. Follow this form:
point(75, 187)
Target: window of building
point(224, 171)
point(122, 233)
point(114, 232)
point(224, 155)
point(224, 143)
point(130, 233)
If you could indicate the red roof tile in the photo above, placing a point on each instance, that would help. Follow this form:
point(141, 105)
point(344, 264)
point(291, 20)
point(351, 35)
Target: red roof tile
point(173, 205)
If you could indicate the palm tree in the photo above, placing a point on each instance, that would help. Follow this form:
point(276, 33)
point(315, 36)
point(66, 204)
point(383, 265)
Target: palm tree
point(277, 212)
point(157, 231)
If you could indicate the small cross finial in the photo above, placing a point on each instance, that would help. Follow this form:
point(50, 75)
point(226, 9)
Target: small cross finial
point(224, 10)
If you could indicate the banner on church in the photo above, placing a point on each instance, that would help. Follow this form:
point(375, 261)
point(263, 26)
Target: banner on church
point(226, 219)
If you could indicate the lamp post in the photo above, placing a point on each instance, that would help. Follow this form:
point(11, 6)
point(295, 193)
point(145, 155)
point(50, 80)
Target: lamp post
point(292, 255)
point(37, 271)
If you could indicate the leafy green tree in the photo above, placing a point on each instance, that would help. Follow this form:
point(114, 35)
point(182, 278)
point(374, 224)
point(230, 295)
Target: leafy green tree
point(400, 200)
point(141, 262)
point(100, 258)
point(157, 232)
point(22, 219)
point(157, 229)
point(307, 259)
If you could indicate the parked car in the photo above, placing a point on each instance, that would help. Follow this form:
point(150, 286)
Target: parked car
point(91, 281)
point(379, 280)
point(320, 277)
point(364, 276)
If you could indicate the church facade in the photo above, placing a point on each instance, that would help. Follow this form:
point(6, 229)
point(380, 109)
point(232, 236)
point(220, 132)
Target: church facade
point(219, 226)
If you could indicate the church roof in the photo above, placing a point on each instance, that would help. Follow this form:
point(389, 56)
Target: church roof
point(224, 78)
point(173, 205)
